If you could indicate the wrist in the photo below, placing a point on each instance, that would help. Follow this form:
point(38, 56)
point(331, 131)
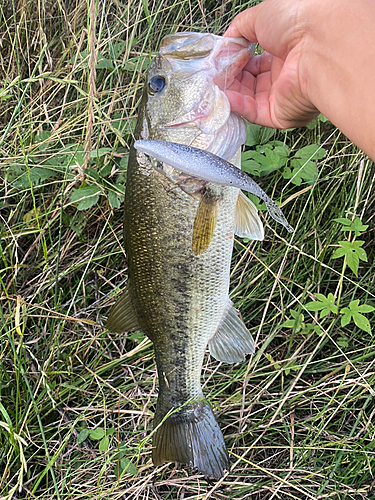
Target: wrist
point(337, 73)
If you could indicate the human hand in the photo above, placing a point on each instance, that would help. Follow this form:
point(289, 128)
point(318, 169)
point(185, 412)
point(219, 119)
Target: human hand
point(271, 90)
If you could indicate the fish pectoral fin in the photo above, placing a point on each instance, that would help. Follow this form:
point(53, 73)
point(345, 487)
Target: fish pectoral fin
point(191, 436)
point(205, 222)
point(122, 317)
point(232, 340)
point(246, 219)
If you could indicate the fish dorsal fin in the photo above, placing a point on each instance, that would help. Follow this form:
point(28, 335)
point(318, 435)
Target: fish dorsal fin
point(122, 316)
point(232, 340)
point(246, 219)
point(205, 222)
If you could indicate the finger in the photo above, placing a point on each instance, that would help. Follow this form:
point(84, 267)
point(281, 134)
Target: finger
point(254, 110)
point(259, 64)
point(244, 24)
point(263, 83)
point(246, 80)
point(237, 86)
point(243, 105)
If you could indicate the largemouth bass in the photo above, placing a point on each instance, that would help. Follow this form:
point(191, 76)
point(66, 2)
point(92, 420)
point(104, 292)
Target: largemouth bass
point(178, 233)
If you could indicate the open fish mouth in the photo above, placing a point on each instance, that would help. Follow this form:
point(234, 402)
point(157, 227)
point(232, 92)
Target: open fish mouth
point(216, 61)
point(222, 57)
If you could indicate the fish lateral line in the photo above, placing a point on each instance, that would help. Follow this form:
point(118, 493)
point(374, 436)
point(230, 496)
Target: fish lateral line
point(209, 167)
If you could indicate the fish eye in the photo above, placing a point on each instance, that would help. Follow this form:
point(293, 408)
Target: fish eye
point(157, 83)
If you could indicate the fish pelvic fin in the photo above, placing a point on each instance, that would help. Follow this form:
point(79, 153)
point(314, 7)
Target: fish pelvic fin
point(191, 436)
point(122, 316)
point(246, 219)
point(232, 340)
point(205, 222)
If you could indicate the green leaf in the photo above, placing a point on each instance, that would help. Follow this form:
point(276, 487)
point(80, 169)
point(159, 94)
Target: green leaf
point(85, 196)
point(311, 152)
point(119, 48)
point(91, 173)
point(256, 134)
point(315, 121)
point(312, 124)
point(314, 306)
point(97, 433)
point(42, 139)
point(353, 253)
point(365, 308)
point(339, 252)
point(78, 223)
point(342, 341)
point(136, 336)
point(302, 171)
point(355, 225)
point(250, 166)
point(324, 304)
point(106, 170)
point(362, 322)
point(347, 316)
point(276, 365)
point(136, 64)
point(352, 259)
point(316, 329)
point(104, 444)
point(122, 451)
point(97, 153)
point(83, 435)
point(296, 323)
point(265, 159)
point(128, 466)
point(125, 465)
point(303, 165)
point(35, 175)
point(103, 63)
point(343, 220)
point(354, 312)
point(265, 134)
point(115, 199)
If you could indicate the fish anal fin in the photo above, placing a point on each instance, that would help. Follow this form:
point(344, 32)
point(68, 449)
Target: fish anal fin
point(232, 340)
point(122, 316)
point(246, 219)
point(205, 222)
point(191, 436)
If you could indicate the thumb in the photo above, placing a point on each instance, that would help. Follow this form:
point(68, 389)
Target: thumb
point(243, 25)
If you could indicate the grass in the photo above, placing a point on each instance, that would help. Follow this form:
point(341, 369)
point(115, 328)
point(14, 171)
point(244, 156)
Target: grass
point(298, 417)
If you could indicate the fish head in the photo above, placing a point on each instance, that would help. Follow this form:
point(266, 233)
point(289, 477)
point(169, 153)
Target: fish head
point(185, 99)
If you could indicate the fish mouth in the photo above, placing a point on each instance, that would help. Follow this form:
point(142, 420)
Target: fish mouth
point(219, 60)
point(178, 124)
point(186, 123)
point(223, 57)
point(207, 123)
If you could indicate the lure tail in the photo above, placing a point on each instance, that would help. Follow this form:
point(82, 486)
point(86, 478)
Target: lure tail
point(191, 436)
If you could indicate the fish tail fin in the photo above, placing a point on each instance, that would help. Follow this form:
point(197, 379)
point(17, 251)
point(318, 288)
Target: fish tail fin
point(191, 436)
